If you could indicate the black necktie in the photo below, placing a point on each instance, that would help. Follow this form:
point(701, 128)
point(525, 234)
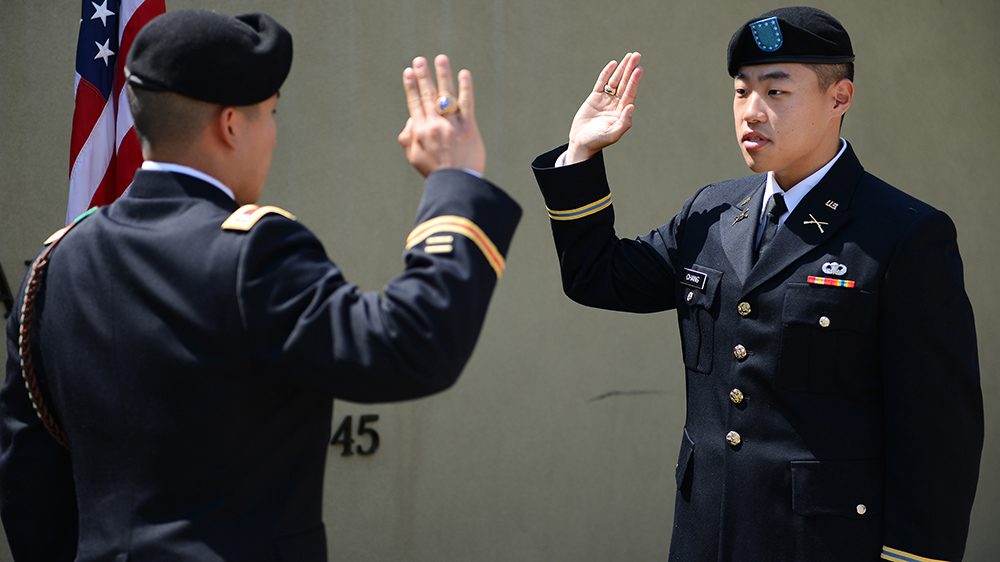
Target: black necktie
point(775, 208)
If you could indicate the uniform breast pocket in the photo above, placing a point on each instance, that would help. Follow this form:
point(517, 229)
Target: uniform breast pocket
point(697, 311)
point(828, 340)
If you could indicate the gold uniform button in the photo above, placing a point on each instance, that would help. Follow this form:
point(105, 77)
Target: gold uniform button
point(862, 509)
point(733, 438)
point(824, 322)
point(736, 395)
point(743, 308)
point(740, 352)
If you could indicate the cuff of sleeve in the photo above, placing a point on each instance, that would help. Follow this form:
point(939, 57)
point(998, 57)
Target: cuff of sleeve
point(469, 171)
point(457, 202)
point(897, 555)
point(574, 191)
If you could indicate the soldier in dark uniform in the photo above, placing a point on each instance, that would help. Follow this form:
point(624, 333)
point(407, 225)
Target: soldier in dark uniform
point(182, 347)
point(834, 410)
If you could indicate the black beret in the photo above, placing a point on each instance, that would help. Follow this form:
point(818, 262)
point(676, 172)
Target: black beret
point(211, 57)
point(798, 34)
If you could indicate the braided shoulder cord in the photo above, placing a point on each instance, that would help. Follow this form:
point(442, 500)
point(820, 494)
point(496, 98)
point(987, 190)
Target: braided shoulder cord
point(24, 341)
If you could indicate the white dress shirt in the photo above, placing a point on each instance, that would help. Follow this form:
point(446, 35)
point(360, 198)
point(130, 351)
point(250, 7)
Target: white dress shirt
point(797, 192)
point(152, 166)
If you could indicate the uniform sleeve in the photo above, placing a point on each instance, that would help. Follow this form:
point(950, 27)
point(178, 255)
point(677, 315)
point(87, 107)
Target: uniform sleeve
point(933, 400)
point(413, 339)
point(598, 268)
point(37, 496)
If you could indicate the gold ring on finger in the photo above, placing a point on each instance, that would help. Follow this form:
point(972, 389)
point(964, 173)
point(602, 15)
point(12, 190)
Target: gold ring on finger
point(609, 90)
point(446, 105)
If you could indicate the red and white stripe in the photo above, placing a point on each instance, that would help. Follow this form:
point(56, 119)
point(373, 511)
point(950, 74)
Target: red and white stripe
point(104, 150)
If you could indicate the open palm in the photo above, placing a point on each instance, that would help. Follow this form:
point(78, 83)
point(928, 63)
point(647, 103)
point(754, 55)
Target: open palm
point(604, 118)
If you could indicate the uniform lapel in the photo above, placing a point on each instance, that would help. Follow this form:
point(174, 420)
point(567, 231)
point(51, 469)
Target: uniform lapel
point(738, 226)
point(815, 219)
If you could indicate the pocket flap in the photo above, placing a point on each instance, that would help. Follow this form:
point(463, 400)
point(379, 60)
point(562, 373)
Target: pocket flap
point(833, 308)
point(684, 458)
point(845, 488)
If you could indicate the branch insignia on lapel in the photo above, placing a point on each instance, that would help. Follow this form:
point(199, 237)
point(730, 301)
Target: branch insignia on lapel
point(819, 224)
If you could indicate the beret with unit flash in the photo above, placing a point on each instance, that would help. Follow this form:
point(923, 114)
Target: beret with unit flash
point(796, 34)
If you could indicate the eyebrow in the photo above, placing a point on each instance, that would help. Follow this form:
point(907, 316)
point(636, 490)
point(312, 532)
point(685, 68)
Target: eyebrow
point(775, 75)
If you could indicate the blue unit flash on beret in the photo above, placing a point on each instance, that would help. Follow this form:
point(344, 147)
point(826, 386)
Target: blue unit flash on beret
point(767, 34)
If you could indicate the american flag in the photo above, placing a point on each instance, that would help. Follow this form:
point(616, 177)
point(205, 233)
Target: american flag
point(104, 151)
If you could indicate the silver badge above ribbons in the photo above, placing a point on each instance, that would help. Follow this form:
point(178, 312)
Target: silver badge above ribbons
point(834, 268)
point(767, 34)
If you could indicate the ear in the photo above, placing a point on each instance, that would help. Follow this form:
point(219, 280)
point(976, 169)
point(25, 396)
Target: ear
point(227, 126)
point(843, 96)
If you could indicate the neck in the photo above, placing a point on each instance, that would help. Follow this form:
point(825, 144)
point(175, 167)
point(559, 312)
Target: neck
point(797, 171)
point(196, 156)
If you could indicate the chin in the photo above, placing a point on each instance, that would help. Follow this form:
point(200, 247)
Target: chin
point(754, 164)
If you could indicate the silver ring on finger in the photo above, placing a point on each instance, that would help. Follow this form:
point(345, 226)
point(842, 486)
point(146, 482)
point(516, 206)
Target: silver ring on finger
point(609, 90)
point(446, 105)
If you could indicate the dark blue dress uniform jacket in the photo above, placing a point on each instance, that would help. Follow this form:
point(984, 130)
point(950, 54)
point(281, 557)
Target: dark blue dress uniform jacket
point(824, 422)
point(193, 369)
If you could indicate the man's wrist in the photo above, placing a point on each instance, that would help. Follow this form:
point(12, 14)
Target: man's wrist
point(576, 153)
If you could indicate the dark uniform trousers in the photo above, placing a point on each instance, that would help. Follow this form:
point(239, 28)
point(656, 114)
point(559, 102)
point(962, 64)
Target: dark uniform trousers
point(834, 410)
point(193, 369)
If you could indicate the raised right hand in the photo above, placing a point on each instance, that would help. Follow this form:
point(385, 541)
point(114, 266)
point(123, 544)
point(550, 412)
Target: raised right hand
point(604, 118)
point(431, 140)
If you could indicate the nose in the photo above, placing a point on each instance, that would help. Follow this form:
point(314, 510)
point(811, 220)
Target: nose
point(753, 109)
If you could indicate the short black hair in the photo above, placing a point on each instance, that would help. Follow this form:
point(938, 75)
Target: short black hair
point(830, 74)
point(162, 118)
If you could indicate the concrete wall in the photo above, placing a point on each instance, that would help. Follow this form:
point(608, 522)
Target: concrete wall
point(522, 461)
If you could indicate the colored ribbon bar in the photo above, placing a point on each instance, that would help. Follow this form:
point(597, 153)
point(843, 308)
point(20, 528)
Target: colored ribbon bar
point(829, 281)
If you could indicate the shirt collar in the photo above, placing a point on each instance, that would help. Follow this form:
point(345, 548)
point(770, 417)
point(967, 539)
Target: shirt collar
point(153, 166)
point(797, 192)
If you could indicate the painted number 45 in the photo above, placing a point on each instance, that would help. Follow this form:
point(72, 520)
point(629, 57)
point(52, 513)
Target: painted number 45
point(345, 436)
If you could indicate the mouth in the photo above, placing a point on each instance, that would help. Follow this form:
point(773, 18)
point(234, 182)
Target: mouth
point(753, 141)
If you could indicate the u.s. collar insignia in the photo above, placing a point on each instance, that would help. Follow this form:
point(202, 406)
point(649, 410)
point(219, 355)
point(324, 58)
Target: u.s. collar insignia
point(767, 34)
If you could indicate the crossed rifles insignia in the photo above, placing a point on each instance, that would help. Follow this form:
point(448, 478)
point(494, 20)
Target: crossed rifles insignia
point(819, 224)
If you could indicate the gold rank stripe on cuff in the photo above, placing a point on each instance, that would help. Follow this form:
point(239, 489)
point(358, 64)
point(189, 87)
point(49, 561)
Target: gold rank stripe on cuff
point(580, 212)
point(446, 239)
point(452, 224)
point(897, 555)
point(439, 249)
